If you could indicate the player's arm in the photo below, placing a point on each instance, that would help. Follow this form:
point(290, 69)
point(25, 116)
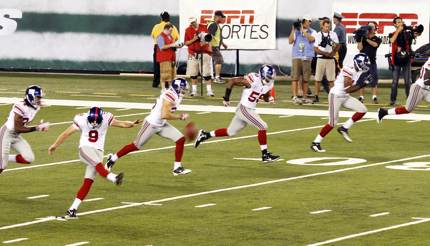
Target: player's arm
point(60, 140)
point(350, 88)
point(236, 81)
point(20, 127)
point(166, 114)
point(125, 124)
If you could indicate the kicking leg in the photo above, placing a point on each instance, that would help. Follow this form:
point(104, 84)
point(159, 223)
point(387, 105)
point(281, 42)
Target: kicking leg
point(25, 153)
point(361, 110)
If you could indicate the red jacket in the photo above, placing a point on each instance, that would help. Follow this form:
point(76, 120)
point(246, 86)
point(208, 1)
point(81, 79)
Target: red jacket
point(196, 47)
point(167, 54)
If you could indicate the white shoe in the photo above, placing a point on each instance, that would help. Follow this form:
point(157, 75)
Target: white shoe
point(180, 171)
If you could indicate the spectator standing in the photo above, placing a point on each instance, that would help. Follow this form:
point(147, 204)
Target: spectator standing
point(369, 45)
point(214, 29)
point(166, 55)
point(303, 52)
point(156, 30)
point(325, 46)
point(340, 31)
point(197, 39)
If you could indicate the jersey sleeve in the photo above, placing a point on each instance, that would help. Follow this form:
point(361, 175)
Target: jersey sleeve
point(77, 121)
point(109, 116)
point(18, 109)
point(250, 77)
point(347, 72)
point(169, 96)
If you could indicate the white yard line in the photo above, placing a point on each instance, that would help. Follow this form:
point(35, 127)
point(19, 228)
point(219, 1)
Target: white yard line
point(85, 107)
point(93, 199)
point(51, 218)
point(286, 116)
point(413, 121)
point(204, 112)
point(379, 214)
point(320, 211)
point(93, 95)
point(77, 244)
point(251, 159)
point(123, 109)
point(15, 240)
point(205, 205)
point(424, 220)
point(37, 197)
point(105, 93)
point(260, 209)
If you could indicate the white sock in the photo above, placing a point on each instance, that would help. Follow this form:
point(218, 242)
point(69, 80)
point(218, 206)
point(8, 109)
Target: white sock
point(263, 147)
point(114, 157)
point(362, 97)
point(212, 133)
point(392, 111)
point(348, 124)
point(111, 177)
point(12, 158)
point(374, 96)
point(318, 139)
point(176, 165)
point(217, 76)
point(194, 88)
point(75, 204)
point(209, 89)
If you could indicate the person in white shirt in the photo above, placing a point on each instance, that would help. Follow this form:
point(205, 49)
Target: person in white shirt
point(22, 113)
point(256, 85)
point(346, 82)
point(325, 46)
point(156, 123)
point(93, 126)
point(420, 90)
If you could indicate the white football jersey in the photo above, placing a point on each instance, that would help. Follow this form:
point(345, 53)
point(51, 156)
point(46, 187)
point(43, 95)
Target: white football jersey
point(339, 85)
point(154, 118)
point(92, 137)
point(27, 112)
point(250, 96)
point(424, 69)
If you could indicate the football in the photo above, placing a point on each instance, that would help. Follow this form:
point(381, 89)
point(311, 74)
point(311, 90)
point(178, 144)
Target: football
point(190, 131)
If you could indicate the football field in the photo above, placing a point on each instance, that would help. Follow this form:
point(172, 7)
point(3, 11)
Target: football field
point(373, 191)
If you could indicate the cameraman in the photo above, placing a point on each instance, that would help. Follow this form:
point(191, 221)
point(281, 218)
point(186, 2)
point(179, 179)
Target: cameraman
point(325, 46)
point(197, 39)
point(302, 38)
point(369, 45)
point(401, 41)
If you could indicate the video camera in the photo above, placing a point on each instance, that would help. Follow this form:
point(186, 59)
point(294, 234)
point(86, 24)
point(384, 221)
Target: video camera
point(361, 33)
point(414, 29)
point(297, 24)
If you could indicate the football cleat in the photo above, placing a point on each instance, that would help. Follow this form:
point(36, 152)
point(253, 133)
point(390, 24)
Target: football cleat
point(269, 157)
point(361, 99)
point(375, 100)
point(344, 132)
point(119, 178)
point(201, 137)
point(109, 163)
point(180, 171)
point(382, 112)
point(317, 147)
point(316, 99)
point(210, 94)
point(71, 214)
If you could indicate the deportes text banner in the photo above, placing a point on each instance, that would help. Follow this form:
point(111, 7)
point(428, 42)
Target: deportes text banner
point(248, 24)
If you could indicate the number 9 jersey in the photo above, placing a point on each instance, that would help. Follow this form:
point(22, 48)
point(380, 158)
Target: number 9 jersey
point(250, 96)
point(92, 136)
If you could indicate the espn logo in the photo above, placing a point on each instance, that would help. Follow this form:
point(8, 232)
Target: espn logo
point(236, 16)
point(354, 20)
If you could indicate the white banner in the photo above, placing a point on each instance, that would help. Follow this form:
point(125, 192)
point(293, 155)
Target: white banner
point(248, 24)
point(358, 13)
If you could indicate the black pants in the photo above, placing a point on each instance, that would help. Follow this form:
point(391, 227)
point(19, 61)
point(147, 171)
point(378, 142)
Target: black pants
point(398, 70)
point(156, 68)
point(342, 54)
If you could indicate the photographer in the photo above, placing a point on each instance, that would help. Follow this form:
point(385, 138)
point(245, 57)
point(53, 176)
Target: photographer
point(401, 41)
point(369, 44)
point(302, 38)
point(198, 41)
point(325, 46)
point(166, 55)
point(340, 31)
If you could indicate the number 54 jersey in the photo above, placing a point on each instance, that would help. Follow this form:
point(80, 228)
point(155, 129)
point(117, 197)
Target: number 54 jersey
point(92, 137)
point(250, 96)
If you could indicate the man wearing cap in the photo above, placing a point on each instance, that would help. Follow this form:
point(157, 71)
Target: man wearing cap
point(303, 52)
point(340, 31)
point(214, 29)
point(197, 39)
point(156, 31)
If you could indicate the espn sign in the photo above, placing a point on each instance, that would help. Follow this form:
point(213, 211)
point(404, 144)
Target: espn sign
point(238, 24)
point(352, 21)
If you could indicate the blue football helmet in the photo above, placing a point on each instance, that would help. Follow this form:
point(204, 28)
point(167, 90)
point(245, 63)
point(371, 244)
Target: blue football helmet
point(180, 86)
point(95, 116)
point(361, 62)
point(267, 73)
point(33, 94)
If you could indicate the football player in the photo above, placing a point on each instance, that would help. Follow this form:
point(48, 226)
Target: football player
point(420, 90)
point(255, 85)
point(345, 83)
point(22, 113)
point(156, 123)
point(93, 126)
